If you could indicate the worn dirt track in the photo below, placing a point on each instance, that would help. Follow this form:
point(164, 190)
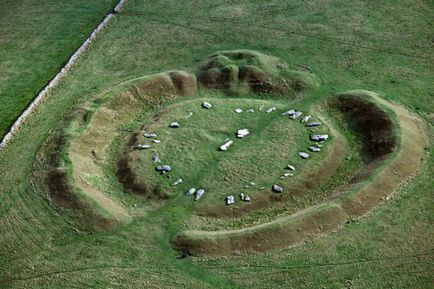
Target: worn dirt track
point(292, 229)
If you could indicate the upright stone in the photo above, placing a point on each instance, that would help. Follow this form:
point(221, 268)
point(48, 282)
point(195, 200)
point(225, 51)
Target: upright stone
point(206, 105)
point(199, 194)
point(303, 155)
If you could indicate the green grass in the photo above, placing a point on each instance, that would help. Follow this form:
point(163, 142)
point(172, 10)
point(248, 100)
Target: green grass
point(382, 46)
point(193, 149)
point(36, 40)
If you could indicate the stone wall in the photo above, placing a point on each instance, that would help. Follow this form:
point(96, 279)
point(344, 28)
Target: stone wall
point(53, 82)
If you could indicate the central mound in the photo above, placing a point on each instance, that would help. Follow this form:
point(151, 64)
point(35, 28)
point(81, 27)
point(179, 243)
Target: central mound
point(239, 72)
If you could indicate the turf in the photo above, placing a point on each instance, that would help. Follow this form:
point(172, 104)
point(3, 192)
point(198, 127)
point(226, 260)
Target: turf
point(193, 149)
point(381, 46)
point(36, 40)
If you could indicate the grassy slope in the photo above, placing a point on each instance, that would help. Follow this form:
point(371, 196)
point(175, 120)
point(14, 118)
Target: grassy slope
point(36, 39)
point(389, 248)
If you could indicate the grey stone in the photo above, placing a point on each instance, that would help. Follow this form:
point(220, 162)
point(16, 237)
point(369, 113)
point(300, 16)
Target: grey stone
point(306, 118)
point(149, 135)
point(206, 105)
point(296, 115)
point(250, 110)
point(319, 137)
point(242, 133)
point(226, 145)
point(143, 146)
point(289, 112)
point(303, 155)
point(313, 124)
point(190, 192)
point(156, 141)
point(271, 109)
point(314, 149)
point(238, 110)
point(155, 158)
point(292, 168)
point(199, 194)
point(177, 182)
point(174, 125)
point(244, 198)
point(276, 188)
point(163, 168)
point(230, 200)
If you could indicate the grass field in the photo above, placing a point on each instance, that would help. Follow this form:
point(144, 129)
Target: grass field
point(36, 40)
point(381, 46)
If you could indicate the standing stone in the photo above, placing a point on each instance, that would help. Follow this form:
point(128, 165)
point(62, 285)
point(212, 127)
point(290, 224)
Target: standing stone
point(143, 146)
point(149, 135)
point(289, 112)
point(206, 105)
point(238, 110)
point(314, 149)
point(285, 175)
point(156, 141)
point(230, 200)
point(174, 125)
point(292, 168)
point(296, 115)
point(276, 188)
point(155, 158)
point(163, 168)
point(190, 192)
point(306, 118)
point(226, 145)
point(271, 109)
point(313, 124)
point(303, 155)
point(177, 182)
point(251, 110)
point(244, 198)
point(242, 133)
point(199, 194)
point(319, 137)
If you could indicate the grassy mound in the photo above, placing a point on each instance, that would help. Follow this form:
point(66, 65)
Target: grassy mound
point(280, 233)
point(239, 72)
